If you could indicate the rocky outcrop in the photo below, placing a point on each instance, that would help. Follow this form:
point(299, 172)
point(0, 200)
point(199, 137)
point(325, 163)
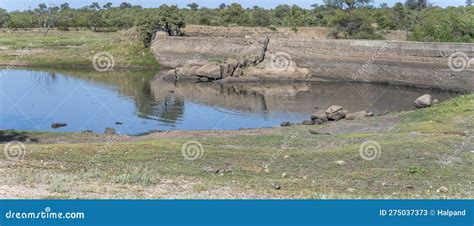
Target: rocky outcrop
point(391, 62)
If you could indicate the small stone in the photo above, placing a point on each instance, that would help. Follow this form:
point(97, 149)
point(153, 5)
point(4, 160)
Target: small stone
point(285, 124)
point(118, 123)
point(318, 121)
point(276, 186)
point(359, 115)
point(110, 131)
point(336, 113)
point(58, 125)
point(316, 132)
point(283, 175)
point(286, 157)
point(351, 190)
point(208, 169)
point(442, 189)
point(341, 162)
point(308, 122)
point(423, 101)
point(435, 101)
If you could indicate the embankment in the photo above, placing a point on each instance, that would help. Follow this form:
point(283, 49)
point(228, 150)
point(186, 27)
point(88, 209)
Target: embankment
point(392, 62)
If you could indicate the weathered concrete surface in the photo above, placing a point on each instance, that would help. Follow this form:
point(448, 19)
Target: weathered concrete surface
point(400, 63)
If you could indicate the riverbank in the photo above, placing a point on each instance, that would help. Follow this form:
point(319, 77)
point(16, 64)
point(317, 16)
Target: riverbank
point(73, 49)
point(419, 154)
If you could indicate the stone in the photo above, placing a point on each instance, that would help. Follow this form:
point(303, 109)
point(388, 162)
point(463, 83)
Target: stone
point(276, 186)
point(423, 101)
point(359, 115)
point(435, 101)
point(208, 169)
point(321, 115)
point(351, 190)
point(110, 131)
point(284, 124)
point(209, 70)
point(336, 113)
point(316, 132)
point(118, 123)
point(340, 162)
point(283, 175)
point(318, 121)
point(442, 189)
point(58, 125)
point(308, 122)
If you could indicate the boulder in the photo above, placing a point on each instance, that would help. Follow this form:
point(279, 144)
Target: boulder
point(359, 115)
point(423, 101)
point(335, 113)
point(308, 122)
point(321, 115)
point(209, 70)
point(318, 121)
point(284, 124)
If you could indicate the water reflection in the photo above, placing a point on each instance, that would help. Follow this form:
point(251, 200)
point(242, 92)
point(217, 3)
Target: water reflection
point(32, 100)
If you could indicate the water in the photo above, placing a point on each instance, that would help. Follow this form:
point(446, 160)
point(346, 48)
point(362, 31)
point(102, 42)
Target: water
point(33, 100)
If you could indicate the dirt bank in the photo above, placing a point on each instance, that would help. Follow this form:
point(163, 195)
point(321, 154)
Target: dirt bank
point(393, 62)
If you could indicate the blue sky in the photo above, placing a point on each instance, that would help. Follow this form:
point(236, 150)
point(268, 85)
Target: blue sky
point(25, 4)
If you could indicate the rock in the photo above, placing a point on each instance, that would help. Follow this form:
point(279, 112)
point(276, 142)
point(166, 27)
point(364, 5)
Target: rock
point(209, 70)
point(286, 157)
point(321, 115)
point(315, 132)
point(435, 101)
point(442, 189)
point(318, 121)
point(308, 122)
point(231, 66)
point(284, 124)
point(423, 101)
point(58, 125)
point(335, 113)
point(276, 186)
point(283, 175)
point(341, 162)
point(88, 131)
point(351, 190)
point(208, 169)
point(118, 123)
point(110, 131)
point(359, 115)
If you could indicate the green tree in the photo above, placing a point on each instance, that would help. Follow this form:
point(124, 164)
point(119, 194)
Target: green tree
point(260, 17)
point(4, 17)
point(235, 14)
point(469, 2)
point(107, 5)
point(193, 6)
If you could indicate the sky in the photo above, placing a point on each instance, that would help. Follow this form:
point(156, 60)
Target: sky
point(11, 5)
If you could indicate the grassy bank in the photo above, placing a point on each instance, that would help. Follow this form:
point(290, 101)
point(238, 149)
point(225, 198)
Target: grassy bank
point(420, 152)
point(72, 48)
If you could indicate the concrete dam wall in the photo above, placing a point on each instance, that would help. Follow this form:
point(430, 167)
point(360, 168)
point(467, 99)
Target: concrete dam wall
point(434, 65)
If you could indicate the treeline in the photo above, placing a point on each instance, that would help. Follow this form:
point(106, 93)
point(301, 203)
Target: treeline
point(358, 19)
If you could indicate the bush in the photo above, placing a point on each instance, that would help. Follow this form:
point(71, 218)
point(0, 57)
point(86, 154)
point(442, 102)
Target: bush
point(354, 24)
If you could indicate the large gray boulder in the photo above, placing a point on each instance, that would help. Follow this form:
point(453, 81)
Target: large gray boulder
point(209, 70)
point(423, 101)
point(335, 113)
point(321, 115)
